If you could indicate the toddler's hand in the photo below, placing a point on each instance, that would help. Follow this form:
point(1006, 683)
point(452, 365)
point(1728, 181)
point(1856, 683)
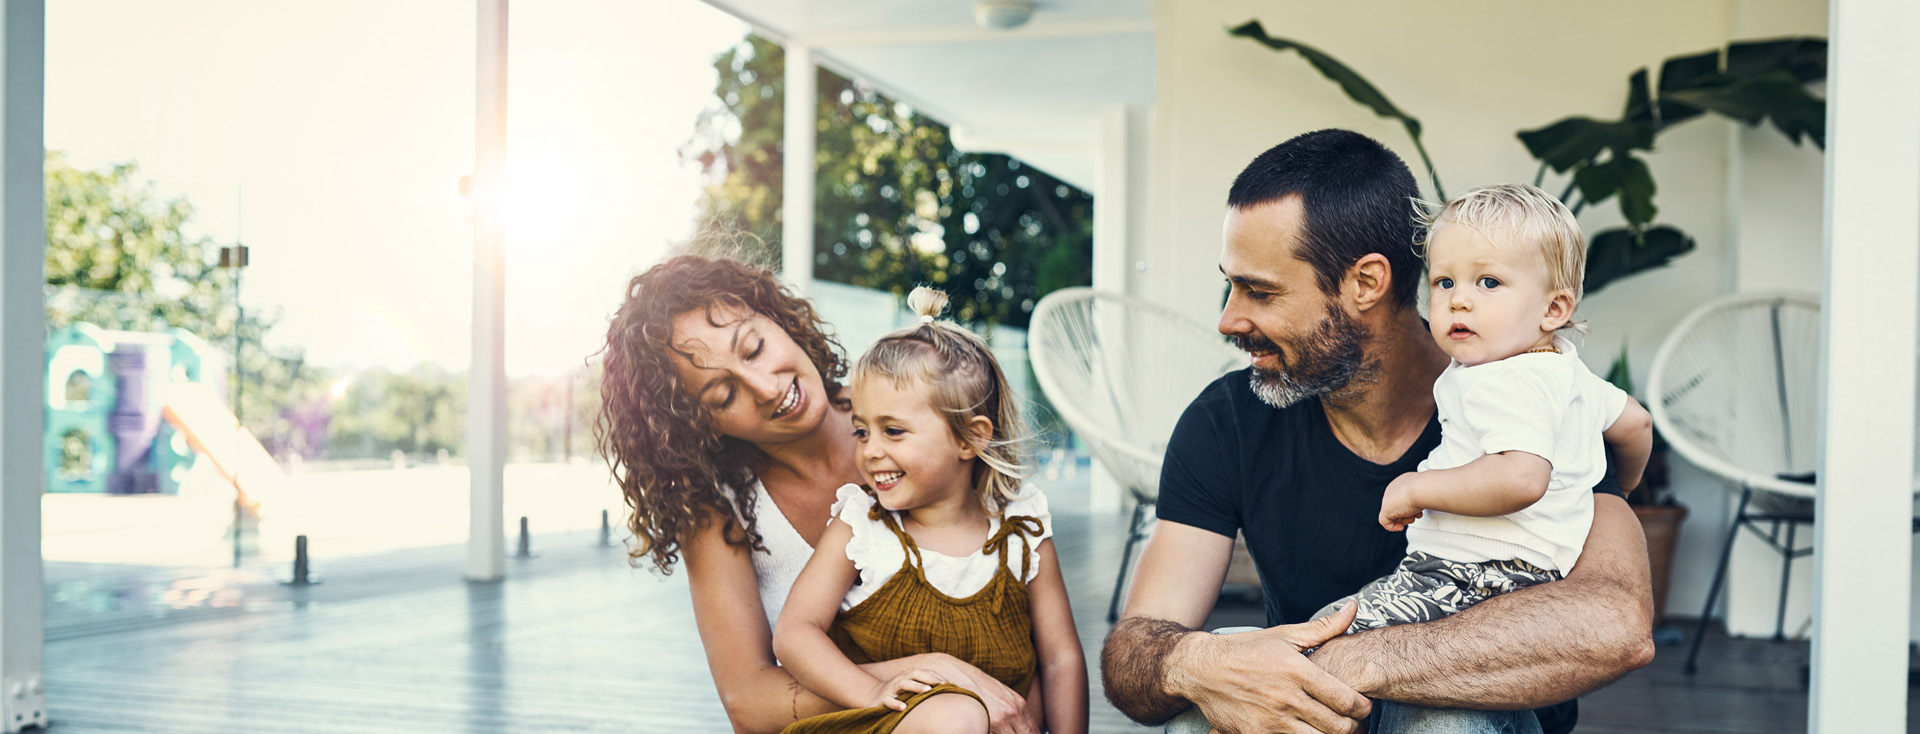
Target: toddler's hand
point(887, 693)
point(1397, 510)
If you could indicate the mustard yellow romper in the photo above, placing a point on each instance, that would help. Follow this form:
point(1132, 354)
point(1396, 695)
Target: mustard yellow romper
point(991, 629)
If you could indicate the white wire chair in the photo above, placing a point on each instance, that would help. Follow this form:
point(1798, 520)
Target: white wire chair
point(1120, 371)
point(1734, 390)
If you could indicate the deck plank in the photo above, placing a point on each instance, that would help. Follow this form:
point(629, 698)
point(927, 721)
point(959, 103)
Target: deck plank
point(575, 640)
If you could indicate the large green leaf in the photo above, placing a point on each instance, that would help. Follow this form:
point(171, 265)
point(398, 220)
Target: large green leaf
point(1639, 100)
point(1351, 82)
point(1775, 94)
point(1616, 253)
point(1681, 72)
point(1576, 140)
point(1625, 175)
point(1804, 58)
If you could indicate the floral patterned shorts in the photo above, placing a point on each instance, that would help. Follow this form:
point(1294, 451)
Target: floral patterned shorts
point(1425, 588)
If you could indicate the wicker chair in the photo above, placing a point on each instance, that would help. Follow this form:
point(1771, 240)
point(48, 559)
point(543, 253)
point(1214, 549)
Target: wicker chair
point(1733, 390)
point(1120, 371)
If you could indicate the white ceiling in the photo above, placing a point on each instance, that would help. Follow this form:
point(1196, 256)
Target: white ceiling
point(1038, 92)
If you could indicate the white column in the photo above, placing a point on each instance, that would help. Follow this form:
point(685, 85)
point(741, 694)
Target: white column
point(487, 377)
point(1112, 208)
point(797, 169)
point(23, 256)
point(1111, 204)
point(1863, 515)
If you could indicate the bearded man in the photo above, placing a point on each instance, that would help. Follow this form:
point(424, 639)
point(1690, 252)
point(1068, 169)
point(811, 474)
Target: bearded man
point(1298, 449)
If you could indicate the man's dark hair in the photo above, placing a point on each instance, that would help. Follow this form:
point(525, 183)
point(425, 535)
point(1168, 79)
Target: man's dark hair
point(1358, 199)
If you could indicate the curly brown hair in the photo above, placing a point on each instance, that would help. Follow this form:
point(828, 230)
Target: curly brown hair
point(674, 467)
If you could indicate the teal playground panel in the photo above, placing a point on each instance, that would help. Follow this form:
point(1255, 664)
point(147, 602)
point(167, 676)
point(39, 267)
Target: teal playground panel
point(104, 395)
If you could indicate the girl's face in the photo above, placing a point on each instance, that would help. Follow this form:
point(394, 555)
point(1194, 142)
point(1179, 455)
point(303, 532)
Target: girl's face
point(754, 380)
point(907, 453)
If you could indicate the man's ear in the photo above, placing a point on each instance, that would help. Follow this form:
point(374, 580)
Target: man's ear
point(1369, 280)
point(1559, 311)
point(981, 429)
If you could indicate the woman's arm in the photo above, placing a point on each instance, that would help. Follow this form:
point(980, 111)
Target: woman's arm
point(1063, 665)
point(760, 696)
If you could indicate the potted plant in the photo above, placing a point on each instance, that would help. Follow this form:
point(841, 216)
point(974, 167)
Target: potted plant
point(1653, 501)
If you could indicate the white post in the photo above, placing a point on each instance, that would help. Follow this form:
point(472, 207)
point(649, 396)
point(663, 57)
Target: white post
point(1862, 531)
point(797, 169)
point(487, 377)
point(23, 257)
point(1112, 209)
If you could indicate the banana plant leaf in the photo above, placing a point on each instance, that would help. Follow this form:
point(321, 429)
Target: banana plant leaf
point(1616, 253)
point(1351, 82)
point(1576, 140)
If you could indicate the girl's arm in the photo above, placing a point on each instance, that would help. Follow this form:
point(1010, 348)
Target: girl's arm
point(801, 641)
point(760, 696)
point(1631, 436)
point(1490, 486)
point(1063, 665)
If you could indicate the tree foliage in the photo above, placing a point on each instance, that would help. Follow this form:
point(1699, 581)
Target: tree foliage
point(896, 204)
point(119, 256)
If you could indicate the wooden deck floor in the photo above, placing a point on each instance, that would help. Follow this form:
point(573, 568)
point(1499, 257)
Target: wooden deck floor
point(575, 641)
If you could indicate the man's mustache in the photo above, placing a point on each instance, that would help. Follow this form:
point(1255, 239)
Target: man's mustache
point(1253, 343)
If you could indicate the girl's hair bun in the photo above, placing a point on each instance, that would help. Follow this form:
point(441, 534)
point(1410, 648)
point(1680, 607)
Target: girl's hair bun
point(926, 302)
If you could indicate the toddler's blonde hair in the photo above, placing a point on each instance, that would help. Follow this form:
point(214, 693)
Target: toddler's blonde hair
point(963, 380)
point(1526, 216)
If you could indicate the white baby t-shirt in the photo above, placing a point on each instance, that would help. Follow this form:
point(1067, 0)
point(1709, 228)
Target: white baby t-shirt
point(878, 554)
point(1546, 404)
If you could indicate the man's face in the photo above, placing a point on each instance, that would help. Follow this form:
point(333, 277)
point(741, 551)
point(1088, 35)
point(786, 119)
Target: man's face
point(1303, 341)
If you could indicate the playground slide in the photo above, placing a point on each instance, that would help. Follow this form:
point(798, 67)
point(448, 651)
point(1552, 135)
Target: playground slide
point(213, 432)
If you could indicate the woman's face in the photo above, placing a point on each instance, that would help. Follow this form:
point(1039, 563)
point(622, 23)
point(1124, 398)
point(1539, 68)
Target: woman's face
point(754, 380)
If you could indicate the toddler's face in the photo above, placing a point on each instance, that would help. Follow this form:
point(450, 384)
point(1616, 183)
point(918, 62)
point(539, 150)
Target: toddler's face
point(1488, 300)
point(907, 453)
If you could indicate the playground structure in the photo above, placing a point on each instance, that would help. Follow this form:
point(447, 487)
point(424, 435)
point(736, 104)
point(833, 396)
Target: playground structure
point(132, 412)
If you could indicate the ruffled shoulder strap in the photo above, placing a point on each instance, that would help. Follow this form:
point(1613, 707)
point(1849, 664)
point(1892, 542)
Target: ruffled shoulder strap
point(855, 506)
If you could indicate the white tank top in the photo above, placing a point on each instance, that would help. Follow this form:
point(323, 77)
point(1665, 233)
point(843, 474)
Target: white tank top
point(775, 569)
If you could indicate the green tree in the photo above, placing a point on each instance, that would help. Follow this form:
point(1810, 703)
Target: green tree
point(119, 257)
point(897, 204)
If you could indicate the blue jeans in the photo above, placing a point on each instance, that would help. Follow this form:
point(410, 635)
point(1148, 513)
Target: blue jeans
point(1401, 718)
point(1390, 717)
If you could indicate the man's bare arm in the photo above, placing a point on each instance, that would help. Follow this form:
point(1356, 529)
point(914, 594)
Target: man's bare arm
point(1174, 589)
point(1531, 648)
point(1155, 662)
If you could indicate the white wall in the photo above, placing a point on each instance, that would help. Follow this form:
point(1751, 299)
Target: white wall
point(1475, 75)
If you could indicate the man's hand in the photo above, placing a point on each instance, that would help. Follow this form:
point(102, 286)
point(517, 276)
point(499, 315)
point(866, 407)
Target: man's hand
point(1397, 509)
point(1258, 682)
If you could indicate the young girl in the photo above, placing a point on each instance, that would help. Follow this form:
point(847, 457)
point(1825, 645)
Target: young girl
point(1503, 503)
point(942, 551)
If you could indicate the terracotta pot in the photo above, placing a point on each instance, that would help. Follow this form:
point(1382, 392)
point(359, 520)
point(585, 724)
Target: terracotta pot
point(1661, 523)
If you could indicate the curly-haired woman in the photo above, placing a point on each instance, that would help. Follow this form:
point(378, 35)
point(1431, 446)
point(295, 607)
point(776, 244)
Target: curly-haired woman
point(723, 422)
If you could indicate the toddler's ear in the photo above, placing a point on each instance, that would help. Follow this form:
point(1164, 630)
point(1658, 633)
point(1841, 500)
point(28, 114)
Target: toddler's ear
point(981, 429)
point(1559, 311)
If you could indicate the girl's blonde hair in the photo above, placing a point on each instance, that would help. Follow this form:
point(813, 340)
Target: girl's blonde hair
point(963, 380)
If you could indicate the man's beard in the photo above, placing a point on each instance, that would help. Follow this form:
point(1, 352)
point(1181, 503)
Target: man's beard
point(1324, 361)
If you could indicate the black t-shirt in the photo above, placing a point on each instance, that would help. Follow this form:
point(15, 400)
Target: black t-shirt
point(1311, 506)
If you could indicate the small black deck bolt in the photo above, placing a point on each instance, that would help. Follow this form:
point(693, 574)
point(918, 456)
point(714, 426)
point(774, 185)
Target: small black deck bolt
point(302, 575)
